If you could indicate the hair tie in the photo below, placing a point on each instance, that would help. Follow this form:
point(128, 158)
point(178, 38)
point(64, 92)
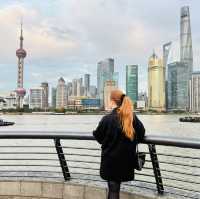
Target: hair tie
point(122, 98)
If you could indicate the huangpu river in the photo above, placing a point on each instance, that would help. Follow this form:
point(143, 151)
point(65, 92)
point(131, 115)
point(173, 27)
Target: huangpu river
point(163, 125)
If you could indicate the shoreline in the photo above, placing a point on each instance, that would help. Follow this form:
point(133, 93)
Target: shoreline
point(92, 113)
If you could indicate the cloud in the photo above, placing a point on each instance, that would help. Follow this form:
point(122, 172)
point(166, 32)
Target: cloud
point(67, 38)
point(40, 39)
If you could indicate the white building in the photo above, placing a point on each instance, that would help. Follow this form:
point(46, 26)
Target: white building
point(2, 103)
point(11, 102)
point(36, 98)
point(61, 94)
point(141, 105)
point(109, 87)
point(8, 101)
point(195, 92)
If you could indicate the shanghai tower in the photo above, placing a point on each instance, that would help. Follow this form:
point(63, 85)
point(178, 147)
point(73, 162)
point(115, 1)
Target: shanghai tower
point(186, 54)
point(21, 54)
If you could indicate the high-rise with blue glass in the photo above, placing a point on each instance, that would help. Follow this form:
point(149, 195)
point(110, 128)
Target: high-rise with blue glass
point(132, 82)
point(186, 53)
point(178, 86)
point(105, 70)
point(180, 72)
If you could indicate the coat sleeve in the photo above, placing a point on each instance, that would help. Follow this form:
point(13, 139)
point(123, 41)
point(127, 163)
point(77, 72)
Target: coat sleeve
point(99, 133)
point(139, 129)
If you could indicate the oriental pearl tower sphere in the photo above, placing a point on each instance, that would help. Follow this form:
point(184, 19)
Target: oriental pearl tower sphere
point(21, 54)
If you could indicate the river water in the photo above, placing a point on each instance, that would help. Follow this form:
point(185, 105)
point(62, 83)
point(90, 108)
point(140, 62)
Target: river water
point(167, 125)
point(162, 125)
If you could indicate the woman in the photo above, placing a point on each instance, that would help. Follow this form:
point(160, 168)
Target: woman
point(117, 133)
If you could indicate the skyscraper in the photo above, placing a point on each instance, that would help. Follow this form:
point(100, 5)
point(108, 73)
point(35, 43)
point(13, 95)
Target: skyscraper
point(186, 53)
point(45, 86)
point(53, 97)
point(69, 89)
point(166, 50)
point(21, 54)
point(61, 94)
point(105, 70)
point(156, 84)
point(87, 84)
point(180, 72)
point(132, 82)
point(79, 87)
point(195, 92)
point(74, 87)
point(178, 84)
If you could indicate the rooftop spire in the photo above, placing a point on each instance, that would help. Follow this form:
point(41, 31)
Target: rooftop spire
point(154, 54)
point(21, 36)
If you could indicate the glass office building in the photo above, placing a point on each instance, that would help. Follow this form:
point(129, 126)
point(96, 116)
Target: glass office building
point(132, 82)
point(178, 86)
point(105, 70)
point(186, 52)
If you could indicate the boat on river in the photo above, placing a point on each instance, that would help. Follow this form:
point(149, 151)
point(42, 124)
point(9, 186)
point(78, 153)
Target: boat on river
point(5, 123)
point(189, 119)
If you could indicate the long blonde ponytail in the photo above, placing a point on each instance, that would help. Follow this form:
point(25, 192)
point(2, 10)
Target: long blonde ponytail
point(125, 112)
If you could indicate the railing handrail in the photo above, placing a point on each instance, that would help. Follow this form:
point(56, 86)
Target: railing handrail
point(66, 157)
point(149, 139)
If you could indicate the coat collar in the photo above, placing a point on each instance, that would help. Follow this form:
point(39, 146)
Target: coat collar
point(114, 111)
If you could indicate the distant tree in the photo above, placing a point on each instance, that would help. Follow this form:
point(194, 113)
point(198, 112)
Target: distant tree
point(60, 110)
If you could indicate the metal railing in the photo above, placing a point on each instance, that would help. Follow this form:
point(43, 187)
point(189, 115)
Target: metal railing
point(172, 164)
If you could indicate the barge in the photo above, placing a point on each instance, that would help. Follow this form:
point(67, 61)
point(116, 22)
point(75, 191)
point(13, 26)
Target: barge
point(189, 119)
point(5, 123)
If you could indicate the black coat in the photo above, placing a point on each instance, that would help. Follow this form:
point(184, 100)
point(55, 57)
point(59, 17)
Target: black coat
point(118, 151)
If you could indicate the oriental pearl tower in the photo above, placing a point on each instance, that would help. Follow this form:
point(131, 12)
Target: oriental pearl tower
point(21, 54)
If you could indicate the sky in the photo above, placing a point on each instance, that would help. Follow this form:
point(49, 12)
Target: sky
point(68, 37)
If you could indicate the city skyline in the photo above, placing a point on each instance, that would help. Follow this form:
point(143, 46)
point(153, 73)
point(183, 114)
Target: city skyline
point(42, 66)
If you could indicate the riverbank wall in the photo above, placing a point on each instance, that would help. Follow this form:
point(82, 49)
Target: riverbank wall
point(56, 190)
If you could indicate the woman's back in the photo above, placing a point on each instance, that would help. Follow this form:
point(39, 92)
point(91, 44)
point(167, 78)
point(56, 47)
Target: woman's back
point(118, 151)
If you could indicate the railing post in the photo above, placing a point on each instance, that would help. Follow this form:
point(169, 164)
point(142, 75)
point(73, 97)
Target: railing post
point(61, 157)
point(156, 168)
